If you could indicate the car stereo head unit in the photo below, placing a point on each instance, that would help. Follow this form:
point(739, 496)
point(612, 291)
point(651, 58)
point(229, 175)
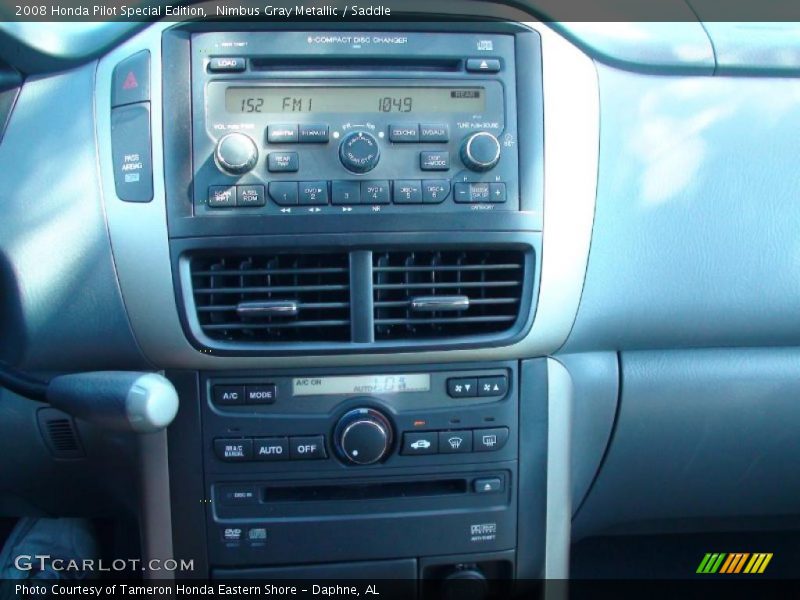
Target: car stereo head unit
point(327, 123)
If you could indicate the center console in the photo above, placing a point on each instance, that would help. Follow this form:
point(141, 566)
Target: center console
point(341, 232)
point(320, 467)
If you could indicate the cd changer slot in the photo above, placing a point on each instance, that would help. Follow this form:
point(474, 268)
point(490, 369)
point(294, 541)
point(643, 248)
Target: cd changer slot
point(364, 491)
point(355, 64)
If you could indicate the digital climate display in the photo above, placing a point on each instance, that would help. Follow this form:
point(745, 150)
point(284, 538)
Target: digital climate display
point(361, 384)
point(355, 99)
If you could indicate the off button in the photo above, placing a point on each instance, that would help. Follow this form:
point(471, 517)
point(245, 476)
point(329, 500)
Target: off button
point(307, 448)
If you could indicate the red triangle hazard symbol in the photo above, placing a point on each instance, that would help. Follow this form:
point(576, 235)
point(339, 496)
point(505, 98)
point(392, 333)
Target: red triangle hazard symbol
point(130, 82)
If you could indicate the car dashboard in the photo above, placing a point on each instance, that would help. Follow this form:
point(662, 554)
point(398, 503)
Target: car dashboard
point(441, 299)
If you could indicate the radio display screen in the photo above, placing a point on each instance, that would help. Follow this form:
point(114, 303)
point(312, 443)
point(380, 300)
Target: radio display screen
point(361, 384)
point(355, 99)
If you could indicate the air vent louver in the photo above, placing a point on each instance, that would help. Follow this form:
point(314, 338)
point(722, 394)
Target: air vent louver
point(58, 431)
point(269, 298)
point(446, 294)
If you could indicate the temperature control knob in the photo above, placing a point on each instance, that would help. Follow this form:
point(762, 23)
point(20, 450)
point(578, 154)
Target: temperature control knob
point(480, 151)
point(236, 153)
point(359, 152)
point(363, 436)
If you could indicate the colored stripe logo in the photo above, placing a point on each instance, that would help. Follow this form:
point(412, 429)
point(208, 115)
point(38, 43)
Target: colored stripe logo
point(734, 562)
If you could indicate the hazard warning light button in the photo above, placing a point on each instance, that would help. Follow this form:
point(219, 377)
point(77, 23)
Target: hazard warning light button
point(131, 80)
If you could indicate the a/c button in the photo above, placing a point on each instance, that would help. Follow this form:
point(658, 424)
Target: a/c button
point(304, 448)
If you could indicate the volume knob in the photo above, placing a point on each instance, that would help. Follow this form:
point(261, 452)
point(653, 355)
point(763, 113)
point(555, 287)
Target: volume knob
point(359, 152)
point(480, 151)
point(236, 153)
point(363, 436)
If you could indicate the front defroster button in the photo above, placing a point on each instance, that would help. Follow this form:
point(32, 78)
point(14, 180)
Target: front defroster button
point(309, 447)
point(454, 442)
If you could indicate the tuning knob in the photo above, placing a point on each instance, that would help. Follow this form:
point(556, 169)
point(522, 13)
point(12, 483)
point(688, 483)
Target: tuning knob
point(363, 436)
point(236, 153)
point(359, 152)
point(480, 151)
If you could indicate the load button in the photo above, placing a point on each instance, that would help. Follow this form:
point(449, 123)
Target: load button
point(307, 448)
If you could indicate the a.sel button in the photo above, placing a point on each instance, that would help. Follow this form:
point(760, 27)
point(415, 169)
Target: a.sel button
point(261, 394)
point(228, 394)
point(307, 447)
point(489, 440)
point(233, 450)
point(423, 442)
point(271, 449)
point(452, 442)
point(250, 195)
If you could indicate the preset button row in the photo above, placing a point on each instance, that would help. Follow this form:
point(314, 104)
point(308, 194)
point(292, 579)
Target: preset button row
point(405, 191)
point(346, 192)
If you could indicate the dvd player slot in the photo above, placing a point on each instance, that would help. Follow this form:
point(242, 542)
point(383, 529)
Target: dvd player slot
point(364, 491)
point(334, 63)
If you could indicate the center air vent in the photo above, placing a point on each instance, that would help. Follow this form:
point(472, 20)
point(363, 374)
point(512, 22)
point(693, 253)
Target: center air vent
point(260, 297)
point(447, 293)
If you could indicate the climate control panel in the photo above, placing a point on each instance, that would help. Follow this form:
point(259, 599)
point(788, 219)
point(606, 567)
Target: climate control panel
point(361, 421)
point(328, 455)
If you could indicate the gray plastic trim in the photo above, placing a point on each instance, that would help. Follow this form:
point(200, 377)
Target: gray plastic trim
point(571, 118)
point(559, 490)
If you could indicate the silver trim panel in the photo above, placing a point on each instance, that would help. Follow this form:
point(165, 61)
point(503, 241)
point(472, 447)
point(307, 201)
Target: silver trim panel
point(140, 245)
